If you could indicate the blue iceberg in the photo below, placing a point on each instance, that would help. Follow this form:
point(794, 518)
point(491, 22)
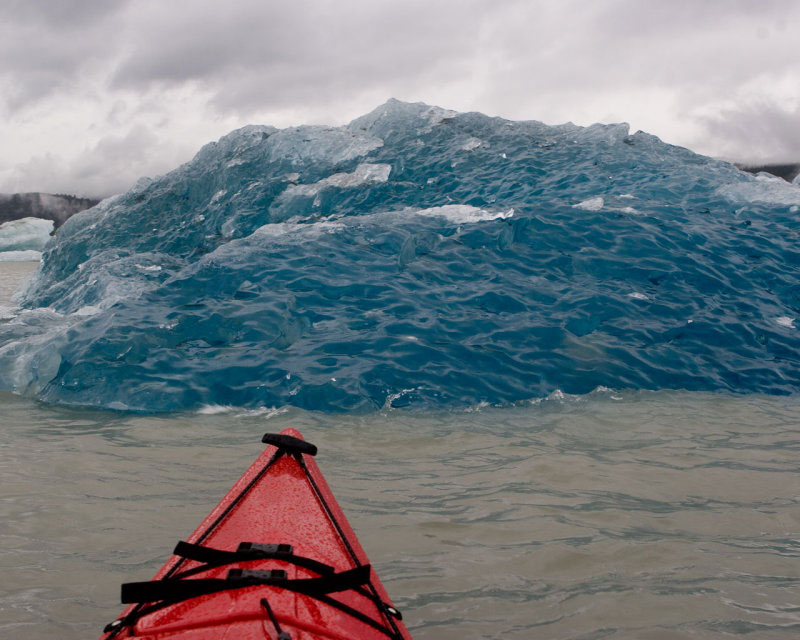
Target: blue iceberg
point(23, 239)
point(416, 257)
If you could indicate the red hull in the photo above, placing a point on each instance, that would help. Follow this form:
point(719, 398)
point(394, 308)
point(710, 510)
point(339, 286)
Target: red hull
point(281, 499)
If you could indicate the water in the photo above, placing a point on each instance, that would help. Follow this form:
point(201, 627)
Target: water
point(12, 275)
point(649, 514)
point(611, 515)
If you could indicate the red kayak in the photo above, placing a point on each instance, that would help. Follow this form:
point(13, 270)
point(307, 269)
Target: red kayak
point(275, 560)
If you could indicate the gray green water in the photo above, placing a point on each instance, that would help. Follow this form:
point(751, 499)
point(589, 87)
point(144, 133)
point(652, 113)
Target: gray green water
point(613, 515)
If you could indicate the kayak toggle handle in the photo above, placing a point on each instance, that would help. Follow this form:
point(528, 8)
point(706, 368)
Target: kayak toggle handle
point(289, 444)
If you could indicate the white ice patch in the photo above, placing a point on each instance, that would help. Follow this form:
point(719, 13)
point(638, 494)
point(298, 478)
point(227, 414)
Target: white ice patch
point(7, 312)
point(762, 188)
point(88, 310)
point(25, 234)
point(364, 174)
point(638, 296)
point(387, 404)
point(785, 321)
point(465, 213)
point(592, 204)
point(20, 256)
point(435, 115)
point(218, 409)
point(300, 145)
point(312, 230)
point(471, 143)
point(560, 397)
point(477, 408)
point(219, 194)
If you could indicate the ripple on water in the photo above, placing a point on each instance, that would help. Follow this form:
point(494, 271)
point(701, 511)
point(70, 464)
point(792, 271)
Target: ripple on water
point(618, 515)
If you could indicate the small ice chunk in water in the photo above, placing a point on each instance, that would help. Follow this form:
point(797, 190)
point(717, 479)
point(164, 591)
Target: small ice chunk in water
point(638, 296)
point(785, 321)
point(592, 204)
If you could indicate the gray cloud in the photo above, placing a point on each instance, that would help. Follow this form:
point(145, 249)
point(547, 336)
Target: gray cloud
point(771, 132)
point(60, 14)
point(109, 166)
point(45, 46)
point(96, 92)
point(274, 55)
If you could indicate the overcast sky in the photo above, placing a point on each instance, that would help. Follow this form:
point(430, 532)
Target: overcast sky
point(95, 93)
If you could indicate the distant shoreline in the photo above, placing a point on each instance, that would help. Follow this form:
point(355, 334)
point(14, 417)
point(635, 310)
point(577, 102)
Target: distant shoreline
point(786, 171)
point(47, 206)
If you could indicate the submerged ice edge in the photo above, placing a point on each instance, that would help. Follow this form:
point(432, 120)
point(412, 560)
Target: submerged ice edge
point(416, 258)
point(394, 402)
point(26, 255)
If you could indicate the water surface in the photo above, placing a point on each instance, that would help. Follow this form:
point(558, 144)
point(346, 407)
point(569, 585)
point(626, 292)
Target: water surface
point(614, 515)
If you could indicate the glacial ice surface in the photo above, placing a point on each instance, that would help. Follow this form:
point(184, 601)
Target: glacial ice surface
point(416, 257)
point(25, 234)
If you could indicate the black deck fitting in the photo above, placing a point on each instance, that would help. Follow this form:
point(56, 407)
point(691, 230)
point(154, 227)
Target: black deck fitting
point(289, 444)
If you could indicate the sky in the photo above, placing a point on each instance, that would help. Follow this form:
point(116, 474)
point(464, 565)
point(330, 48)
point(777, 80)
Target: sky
point(97, 93)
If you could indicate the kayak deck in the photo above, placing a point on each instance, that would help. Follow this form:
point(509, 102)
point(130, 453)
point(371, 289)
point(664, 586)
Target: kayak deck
point(275, 559)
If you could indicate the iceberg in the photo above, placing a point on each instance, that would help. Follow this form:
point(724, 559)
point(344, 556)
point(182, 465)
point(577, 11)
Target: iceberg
point(26, 234)
point(396, 261)
point(26, 255)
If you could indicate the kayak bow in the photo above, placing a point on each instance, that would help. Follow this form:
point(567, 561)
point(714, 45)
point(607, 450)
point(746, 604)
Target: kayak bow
point(276, 559)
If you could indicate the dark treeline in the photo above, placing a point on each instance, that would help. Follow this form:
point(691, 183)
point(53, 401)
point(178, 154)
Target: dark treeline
point(55, 207)
point(786, 171)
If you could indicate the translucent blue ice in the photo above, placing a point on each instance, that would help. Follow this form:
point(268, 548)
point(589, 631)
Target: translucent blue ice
point(23, 239)
point(416, 257)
